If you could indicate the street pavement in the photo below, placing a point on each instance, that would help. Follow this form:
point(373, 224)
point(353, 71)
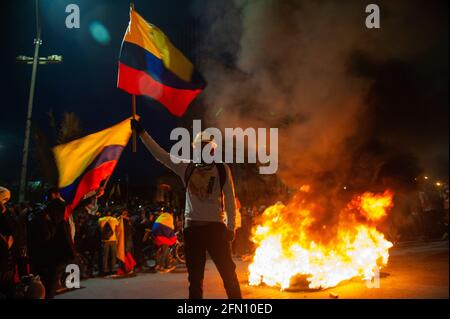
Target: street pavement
point(415, 270)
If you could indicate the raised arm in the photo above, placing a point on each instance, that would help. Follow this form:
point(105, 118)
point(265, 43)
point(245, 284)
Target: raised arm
point(177, 165)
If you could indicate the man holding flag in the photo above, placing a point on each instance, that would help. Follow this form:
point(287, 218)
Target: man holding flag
point(209, 197)
point(151, 65)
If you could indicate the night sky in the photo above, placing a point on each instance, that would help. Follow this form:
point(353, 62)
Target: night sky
point(85, 83)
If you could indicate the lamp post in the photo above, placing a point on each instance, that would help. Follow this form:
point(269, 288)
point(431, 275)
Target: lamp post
point(35, 60)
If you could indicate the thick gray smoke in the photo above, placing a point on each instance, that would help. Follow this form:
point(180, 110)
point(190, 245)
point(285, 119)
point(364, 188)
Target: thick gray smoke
point(306, 67)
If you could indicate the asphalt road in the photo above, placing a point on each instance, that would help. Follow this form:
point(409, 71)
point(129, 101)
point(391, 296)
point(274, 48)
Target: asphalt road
point(415, 270)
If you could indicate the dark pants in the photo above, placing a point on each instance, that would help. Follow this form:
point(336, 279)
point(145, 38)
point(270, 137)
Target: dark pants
point(109, 256)
point(7, 285)
point(163, 257)
point(50, 276)
point(211, 238)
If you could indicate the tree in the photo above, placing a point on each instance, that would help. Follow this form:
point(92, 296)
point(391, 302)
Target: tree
point(68, 130)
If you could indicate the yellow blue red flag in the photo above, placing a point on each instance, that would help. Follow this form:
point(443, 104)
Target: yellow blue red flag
point(151, 65)
point(84, 164)
point(163, 230)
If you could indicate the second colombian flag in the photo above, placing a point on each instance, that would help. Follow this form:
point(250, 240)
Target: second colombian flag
point(84, 164)
point(151, 65)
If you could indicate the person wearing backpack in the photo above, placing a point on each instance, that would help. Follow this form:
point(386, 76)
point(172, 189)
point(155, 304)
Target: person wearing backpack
point(210, 213)
point(108, 228)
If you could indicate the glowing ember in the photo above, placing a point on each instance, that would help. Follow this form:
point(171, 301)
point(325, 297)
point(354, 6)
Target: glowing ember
point(289, 243)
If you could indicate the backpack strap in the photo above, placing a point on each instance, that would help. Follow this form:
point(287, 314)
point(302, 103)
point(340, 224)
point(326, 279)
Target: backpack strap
point(188, 173)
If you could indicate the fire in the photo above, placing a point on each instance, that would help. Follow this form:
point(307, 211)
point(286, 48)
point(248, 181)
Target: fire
point(374, 207)
point(290, 244)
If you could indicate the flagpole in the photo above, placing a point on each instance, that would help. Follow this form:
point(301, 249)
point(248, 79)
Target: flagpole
point(133, 110)
point(133, 104)
point(103, 187)
point(37, 43)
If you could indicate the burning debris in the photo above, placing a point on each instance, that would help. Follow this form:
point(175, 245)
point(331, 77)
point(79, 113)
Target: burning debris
point(334, 295)
point(290, 245)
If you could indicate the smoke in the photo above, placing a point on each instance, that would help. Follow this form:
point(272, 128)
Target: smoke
point(347, 100)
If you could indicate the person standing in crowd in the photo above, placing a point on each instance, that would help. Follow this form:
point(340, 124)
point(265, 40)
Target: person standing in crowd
point(6, 242)
point(140, 225)
point(61, 245)
point(209, 197)
point(164, 237)
point(429, 214)
point(149, 248)
point(128, 232)
point(18, 220)
point(50, 242)
point(125, 244)
point(81, 244)
point(93, 242)
point(108, 226)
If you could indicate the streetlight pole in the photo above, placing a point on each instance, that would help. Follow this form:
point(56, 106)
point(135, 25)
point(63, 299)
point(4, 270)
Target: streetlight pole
point(36, 60)
point(37, 43)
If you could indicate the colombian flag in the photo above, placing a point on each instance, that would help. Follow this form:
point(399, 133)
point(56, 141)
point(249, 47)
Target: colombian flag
point(151, 65)
point(84, 164)
point(125, 257)
point(163, 230)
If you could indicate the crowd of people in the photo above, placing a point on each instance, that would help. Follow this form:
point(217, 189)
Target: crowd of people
point(419, 215)
point(101, 233)
point(37, 242)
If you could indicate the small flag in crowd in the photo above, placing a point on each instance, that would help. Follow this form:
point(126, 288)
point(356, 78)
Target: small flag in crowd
point(151, 65)
point(84, 164)
point(125, 257)
point(163, 230)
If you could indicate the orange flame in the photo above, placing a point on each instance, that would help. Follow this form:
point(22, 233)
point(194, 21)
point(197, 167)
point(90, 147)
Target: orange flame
point(374, 207)
point(287, 246)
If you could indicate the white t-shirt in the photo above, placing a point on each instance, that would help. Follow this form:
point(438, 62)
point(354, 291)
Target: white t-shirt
point(203, 194)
